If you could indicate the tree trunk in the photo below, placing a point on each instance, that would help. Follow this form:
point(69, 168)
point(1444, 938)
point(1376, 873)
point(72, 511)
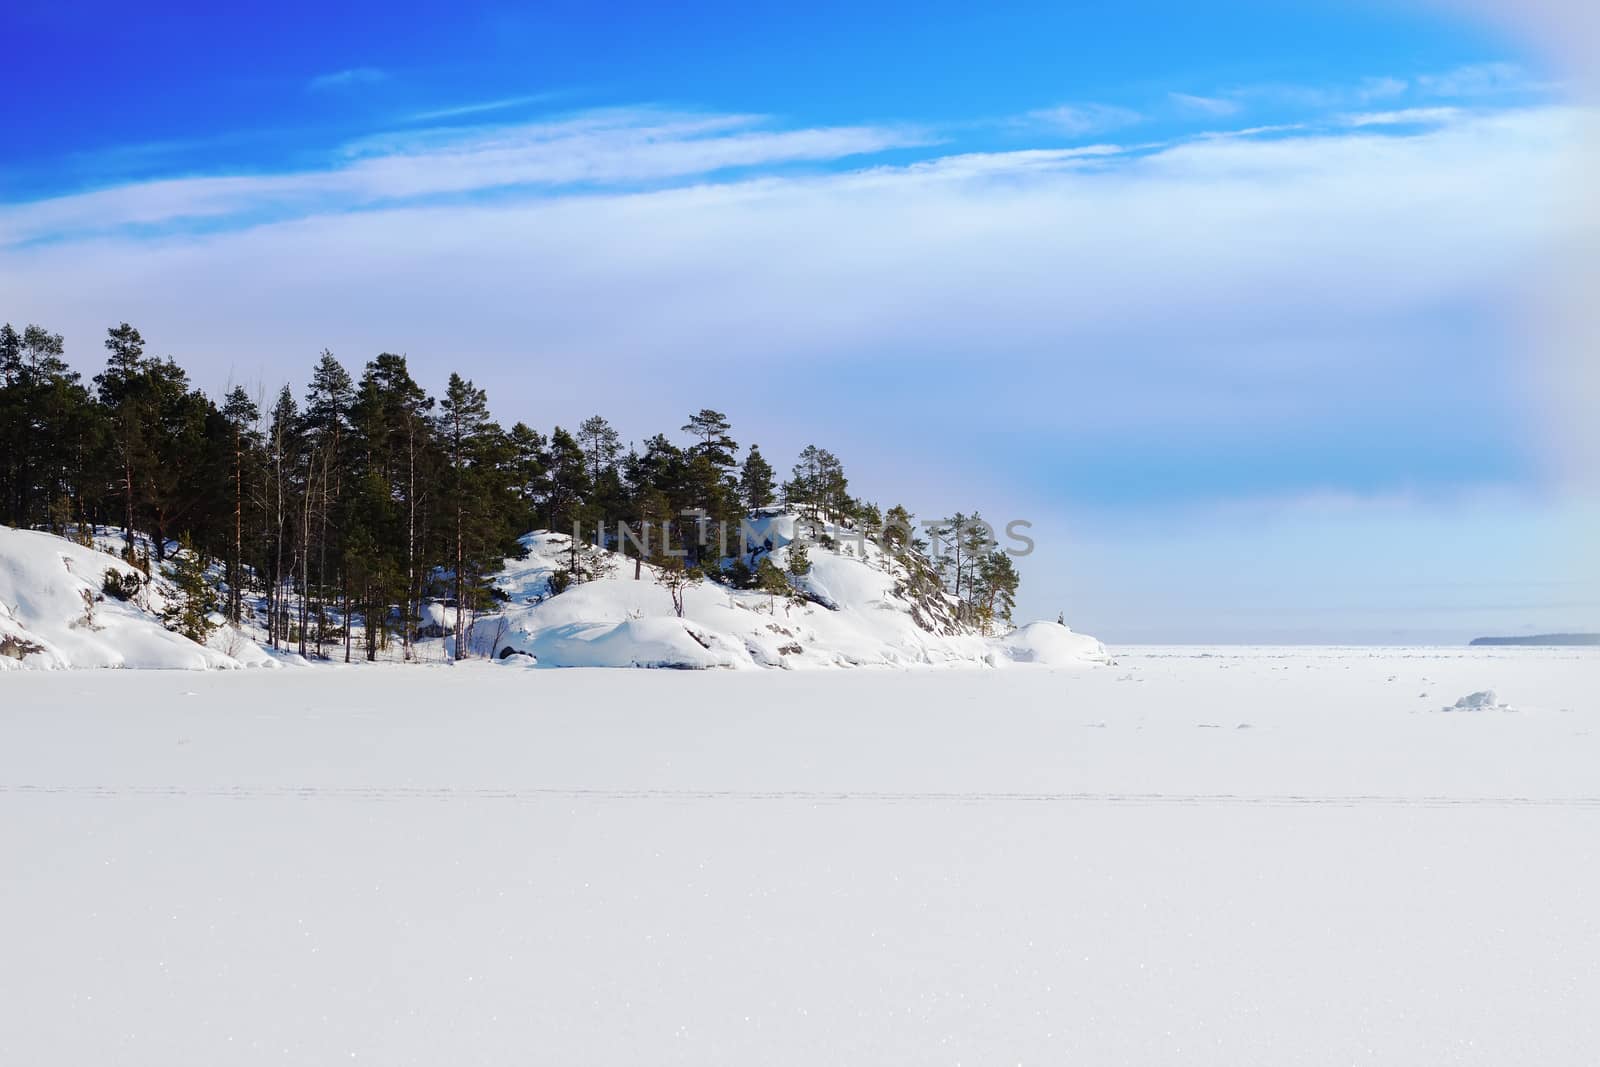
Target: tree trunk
point(238, 529)
point(411, 536)
point(127, 483)
point(460, 603)
point(345, 588)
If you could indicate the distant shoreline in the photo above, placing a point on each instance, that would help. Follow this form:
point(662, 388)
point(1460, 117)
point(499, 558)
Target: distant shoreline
point(1541, 639)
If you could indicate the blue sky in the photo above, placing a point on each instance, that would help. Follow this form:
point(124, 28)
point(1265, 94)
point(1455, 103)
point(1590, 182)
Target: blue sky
point(1183, 284)
point(299, 76)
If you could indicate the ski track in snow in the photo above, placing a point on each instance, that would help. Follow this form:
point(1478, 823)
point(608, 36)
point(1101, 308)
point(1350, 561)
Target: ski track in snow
point(803, 796)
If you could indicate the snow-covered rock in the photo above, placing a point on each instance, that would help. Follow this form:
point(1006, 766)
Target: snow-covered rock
point(857, 607)
point(53, 614)
point(1051, 644)
point(863, 607)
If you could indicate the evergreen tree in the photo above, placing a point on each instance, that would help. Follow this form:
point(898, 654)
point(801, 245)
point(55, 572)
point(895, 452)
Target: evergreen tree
point(977, 544)
point(600, 445)
point(329, 404)
point(799, 559)
point(772, 581)
point(710, 429)
point(529, 474)
point(120, 390)
point(756, 488)
point(190, 609)
point(817, 485)
point(899, 531)
point(178, 484)
point(476, 461)
point(392, 417)
point(285, 449)
point(996, 590)
point(676, 578)
point(569, 483)
point(241, 415)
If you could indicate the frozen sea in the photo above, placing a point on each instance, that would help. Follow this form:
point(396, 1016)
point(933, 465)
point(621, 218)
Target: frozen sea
point(1196, 856)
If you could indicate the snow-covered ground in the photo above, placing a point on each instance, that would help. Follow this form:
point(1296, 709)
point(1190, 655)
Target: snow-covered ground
point(857, 607)
point(859, 613)
point(1197, 856)
point(54, 614)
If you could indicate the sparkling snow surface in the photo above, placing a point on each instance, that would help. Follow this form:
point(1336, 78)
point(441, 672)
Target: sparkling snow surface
point(1224, 856)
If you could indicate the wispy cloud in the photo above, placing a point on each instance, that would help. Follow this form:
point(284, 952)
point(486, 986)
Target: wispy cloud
point(1077, 120)
point(343, 79)
point(610, 148)
point(1479, 79)
point(482, 108)
point(1211, 106)
point(1412, 116)
point(1475, 80)
point(1382, 88)
point(1260, 252)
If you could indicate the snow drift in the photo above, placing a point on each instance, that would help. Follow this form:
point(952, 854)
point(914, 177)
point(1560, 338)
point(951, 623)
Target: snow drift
point(54, 615)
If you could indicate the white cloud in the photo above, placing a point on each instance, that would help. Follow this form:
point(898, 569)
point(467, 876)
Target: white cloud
point(601, 148)
point(481, 107)
point(1381, 88)
point(1076, 120)
point(1474, 80)
point(1480, 79)
point(1278, 279)
point(1404, 117)
point(343, 79)
point(1212, 106)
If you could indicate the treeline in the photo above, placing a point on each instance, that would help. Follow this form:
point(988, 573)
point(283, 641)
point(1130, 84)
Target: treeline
point(366, 497)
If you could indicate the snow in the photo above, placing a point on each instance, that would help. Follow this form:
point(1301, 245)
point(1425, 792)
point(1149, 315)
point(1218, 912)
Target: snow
point(634, 643)
point(855, 615)
point(856, 618)
point(1050, 644)
point(424, 865)
point(43, 582)
point(1482, 700)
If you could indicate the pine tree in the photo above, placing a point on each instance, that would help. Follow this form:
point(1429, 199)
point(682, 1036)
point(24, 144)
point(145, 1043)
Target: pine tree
point(392, 415)
point(241, 414)
point(329, 403)
point(799, 559)
point(467, 434)
point(817, 484)
point(997, 588)
point(772, 581)
point(977, 543)
point(120, 391)
point(285, 447)
point(190, 610)
point(674, 576)
point(569, 490)
point(899, 532)
point(756, 488)
point(600, 445)
point(529, 474)
point(710, 428)
point(177, 485)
